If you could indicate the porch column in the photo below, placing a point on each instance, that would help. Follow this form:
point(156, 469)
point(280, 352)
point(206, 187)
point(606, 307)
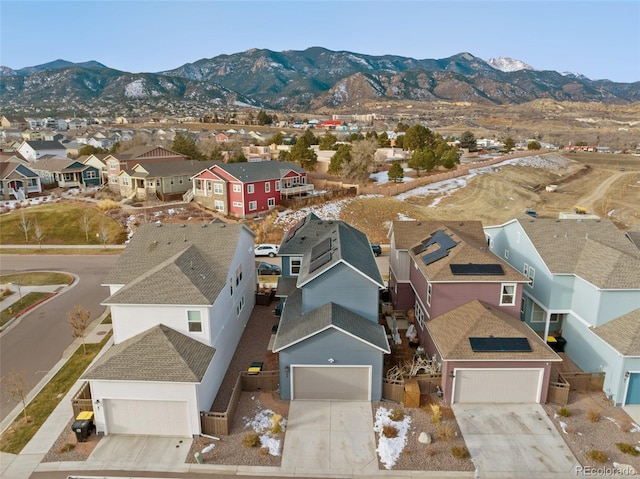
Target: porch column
point(547, 318)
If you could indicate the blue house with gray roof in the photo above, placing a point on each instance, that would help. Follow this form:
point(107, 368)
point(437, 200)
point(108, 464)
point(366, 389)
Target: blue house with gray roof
point(583, 291)
point(329, 341)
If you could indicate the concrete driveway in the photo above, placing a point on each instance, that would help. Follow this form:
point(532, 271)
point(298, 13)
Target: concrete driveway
point(514, 440)
point(330, 437)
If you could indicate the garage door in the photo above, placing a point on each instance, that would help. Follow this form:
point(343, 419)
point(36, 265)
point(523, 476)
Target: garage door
point(633, 389)
point(351, 383)
point(147, 418)
point(497, 385)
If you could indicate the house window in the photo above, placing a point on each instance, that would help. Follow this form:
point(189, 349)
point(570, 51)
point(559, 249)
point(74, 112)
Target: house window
point(237, 204)
point(419, 315)
point(525, 270)
point(194, 319)
point(237, 189)
point(278, 185)
point(531, 276)
point(238, 275)
point(294, 265)
point(68, 176)
point(218, 205)
point(240, 306)
point(90, 174)
point(253, 205)
point(506, 254)
point(557, 317)
point(180, 180)
point(250, 188)
point(267, 187)
point(113, 164)
point(217, 188)
point(508, 295)
point(271, 202)
point(523, 306)
point(429, 291)
point(537, 314)
point(199, 184)
point(125, 181)
point(231, 286)
point(172, 181)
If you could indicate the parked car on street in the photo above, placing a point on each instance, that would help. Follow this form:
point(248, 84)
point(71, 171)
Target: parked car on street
point(266, 250)
point(265, 268)
point(377, 250)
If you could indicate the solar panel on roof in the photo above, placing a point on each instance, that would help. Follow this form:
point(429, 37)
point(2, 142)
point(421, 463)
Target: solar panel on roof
point(320, 249)
point(429, 258)
point(476, 269)
point(293, 229)
point(444, 242)
point(491, 344)
point(322, 260)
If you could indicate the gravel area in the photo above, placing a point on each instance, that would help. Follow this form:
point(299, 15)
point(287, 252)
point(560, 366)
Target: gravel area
point(67, 448)
point(583, 434)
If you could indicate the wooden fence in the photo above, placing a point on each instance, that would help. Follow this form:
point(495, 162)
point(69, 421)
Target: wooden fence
point(393, 389)
point(579, 381)
point(219, 423)
point(559, 392)
point(81, 401)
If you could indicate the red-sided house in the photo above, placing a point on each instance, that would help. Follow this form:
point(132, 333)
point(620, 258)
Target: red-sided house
point(142, 155)
point(244, 190)
point(466, 303)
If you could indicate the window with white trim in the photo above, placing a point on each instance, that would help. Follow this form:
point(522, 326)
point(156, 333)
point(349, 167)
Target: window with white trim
point(218, 205)
point(508, 294)
point(537, 314)
point(278, 185)
point(523, 306)
point(237, 189)
point(267, 187)
point(172, 180)
point(271, 202)
point(294, 265)
point(238, 275)
point(194, 321)
point(557, 317)
point(531, 276)
point(237, 204)
point(250, 188)
point(419, 315)
point(506, 254)
point(218, 189)
point(525, 270)
point(90, 174)
point(253, 205)
point(240, 306)
point(180, 179)
point(113, 179)
point(125, 181)
point(429, 292)
point(158, 183)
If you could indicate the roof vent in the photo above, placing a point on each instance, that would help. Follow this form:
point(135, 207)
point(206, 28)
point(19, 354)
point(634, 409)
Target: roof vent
point(204, 225)
point(183, 225)
point(223, 225)
point(158, 224)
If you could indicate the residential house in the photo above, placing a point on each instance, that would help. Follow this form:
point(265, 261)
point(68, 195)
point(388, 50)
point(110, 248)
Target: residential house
point(465, 305)
point(583, 289)
point(117, 162)
point(19, 122)
point(65, 172)
point(245, 189)
point(256, 153)
point(180, 298)
point(329, 341)
point(165, 181)
point(34, 150)
point(17, 181)
point(96, 160)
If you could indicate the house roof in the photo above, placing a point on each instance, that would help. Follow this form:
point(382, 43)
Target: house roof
point(140, 151)
point(175, 263)
point(465, 244)
point(171, 168)
point(45, 145)
point(296, 326)
point(52, 163)
point(594, 249)
point(260, 170)
point(8, 167)
point(157, 354)
point(479, 319)
point(623, 333)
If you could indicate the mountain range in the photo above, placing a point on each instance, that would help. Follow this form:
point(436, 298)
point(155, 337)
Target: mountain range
point(290, 80)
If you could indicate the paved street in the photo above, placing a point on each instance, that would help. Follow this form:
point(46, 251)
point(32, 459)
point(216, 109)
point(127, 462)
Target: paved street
point(36, 342)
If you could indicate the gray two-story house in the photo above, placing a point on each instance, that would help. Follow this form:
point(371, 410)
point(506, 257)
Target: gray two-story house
point(329, 341)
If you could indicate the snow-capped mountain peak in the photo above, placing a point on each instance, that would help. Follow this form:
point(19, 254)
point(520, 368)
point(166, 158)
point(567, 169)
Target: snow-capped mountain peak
point(507, 64)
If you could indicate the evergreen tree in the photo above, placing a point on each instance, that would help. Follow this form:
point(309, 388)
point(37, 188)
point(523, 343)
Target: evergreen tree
point(468, 141)
point(534, 145)
point(396, 173)
point(328, 141)
point(187, 146)
point(340, 157)
point(383, 140)
point(422, 159)
point(418, 136)
point(509, 144)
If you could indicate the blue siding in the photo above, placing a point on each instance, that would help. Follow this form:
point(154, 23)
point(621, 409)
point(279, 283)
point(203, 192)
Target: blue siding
point(344, 349)
point(633, 393)
point(286, 266)
point(344, 286)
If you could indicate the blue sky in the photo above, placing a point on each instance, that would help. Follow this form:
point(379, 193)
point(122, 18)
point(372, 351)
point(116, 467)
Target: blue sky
point(600, 39)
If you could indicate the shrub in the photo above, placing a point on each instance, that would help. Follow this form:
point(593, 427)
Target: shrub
point(435, 413)
point(251, 440)
point(66, 448)
point(593, 415)
point(564, 412)
point(445, 432)
point(264, 451)
point(390, 431)
point(597, 456)
point(107, 205)
point(627, 448)
point(396, 415)
point(276, 426)
point(460, 452)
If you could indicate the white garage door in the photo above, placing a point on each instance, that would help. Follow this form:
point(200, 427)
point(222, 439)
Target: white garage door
point(352, 383)
point(147, 418)
point(497, 385)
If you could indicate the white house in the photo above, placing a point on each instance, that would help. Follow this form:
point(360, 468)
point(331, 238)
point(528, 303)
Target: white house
point(33, 150)
point(181, 296)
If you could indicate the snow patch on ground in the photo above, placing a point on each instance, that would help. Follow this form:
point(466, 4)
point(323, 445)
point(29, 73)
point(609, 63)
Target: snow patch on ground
point(262, 423)
point(382, 177)
point(390, 448)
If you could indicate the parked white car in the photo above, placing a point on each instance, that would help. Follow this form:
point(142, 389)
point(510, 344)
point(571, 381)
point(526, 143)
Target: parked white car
point(266, 250)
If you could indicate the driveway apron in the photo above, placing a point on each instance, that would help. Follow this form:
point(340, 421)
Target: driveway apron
point(330, 435)
point(517, 439)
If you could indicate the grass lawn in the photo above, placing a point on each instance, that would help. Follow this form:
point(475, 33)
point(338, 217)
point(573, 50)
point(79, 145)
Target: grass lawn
point(20, 305)
point(42, 278)
point(61, 224)
point(53, 250)
point(38, 410)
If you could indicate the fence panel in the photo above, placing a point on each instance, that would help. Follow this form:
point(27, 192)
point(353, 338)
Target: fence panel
point(81, 401)
point(393, 390)
point(429, 382)
point(558, 393)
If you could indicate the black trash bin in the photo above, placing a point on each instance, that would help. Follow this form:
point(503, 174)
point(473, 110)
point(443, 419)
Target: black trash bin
point(83, 425)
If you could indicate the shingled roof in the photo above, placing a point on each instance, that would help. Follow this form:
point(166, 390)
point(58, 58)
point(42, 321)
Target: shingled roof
point(171, 168)
point(593, 249)
point(479, 319)
point(157, 354)
point(260, 170)
point(175, 264)
point(295, 326)
point(623, 333)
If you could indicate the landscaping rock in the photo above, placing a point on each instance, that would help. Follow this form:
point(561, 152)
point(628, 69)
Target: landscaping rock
point(424, 438)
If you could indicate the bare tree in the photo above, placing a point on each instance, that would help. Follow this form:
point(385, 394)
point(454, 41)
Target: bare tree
point(38, 233)
point(25, 225)
point(16, 387)
point(360, 166)
point(103, 234)
point(78, 318)
point(85, 224)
